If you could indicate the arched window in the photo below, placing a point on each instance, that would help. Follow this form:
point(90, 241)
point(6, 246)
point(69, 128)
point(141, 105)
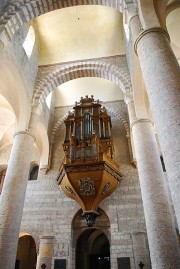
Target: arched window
point(34, 173)
point(2, 176)
point(29, 42)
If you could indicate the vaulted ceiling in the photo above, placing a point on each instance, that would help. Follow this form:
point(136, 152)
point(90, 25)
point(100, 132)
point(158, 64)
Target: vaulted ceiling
point(77, 33)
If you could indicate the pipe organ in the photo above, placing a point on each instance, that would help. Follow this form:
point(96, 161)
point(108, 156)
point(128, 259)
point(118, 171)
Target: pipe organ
point(88, 173)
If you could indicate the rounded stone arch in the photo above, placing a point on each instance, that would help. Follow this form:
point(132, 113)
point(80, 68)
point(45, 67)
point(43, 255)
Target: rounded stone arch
point(13, 90)
point(82, 69)
point(102, 223)
point(92, 248)
point(7, 138)
point(30, 233)
point(18, 13)
point(26, 251)
point(172, 6)
point(90, 238)
point(147, 14)
point(163, 8)
point(93, 236)
point(7, 118)
point(59, 123)
point(34, 170)
point(160, 8)
point(121, 118)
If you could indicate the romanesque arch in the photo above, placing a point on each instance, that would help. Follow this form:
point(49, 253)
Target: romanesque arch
point(26, 252)
point(82, 234)
point(81, 69)
point(17, 13)
point(13, 90)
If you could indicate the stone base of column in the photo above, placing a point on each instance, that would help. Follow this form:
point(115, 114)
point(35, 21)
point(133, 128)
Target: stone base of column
point(45, 252)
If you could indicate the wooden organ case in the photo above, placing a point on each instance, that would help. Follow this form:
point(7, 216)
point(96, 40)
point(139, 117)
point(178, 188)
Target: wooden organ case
point(88, 173)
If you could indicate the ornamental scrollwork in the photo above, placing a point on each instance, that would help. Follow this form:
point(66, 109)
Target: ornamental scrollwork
point(87, 186)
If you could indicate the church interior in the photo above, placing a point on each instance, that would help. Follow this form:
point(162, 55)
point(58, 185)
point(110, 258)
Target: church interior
point(89, 134)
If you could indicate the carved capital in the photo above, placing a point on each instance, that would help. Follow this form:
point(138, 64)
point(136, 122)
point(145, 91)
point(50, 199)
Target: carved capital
point(147, 31)
point(141, 120)
point(43, 169)
point(26, 132)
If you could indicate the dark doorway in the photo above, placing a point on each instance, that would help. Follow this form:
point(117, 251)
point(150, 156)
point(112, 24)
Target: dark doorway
point(99, 261)
point(34, 173)
point(26, 253)
point(93, 250)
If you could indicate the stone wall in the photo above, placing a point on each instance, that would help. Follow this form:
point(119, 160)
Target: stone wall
point(3, 3)
point(47, 211)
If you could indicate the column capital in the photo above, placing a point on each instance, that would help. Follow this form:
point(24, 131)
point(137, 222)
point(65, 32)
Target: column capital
point(130, 10)
point(27, 132)
point(43, 169)
point(46, 237)
point(141, 120)
point(147, 31)
point(37, 109)
point(132, 17)
point(139, 233)
point(128, 99)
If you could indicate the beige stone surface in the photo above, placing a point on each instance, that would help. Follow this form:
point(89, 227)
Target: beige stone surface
point(162, 79)
point(47, 212)
point(162, 237)
point(12, 199)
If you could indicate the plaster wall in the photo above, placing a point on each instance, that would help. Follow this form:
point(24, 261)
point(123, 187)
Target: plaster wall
point(81, 32)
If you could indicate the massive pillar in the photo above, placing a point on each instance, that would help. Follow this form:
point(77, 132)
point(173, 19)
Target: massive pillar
point(161, 73)
point(12, 197)
point(45, 252)
point(13, 194)
point(162, 237)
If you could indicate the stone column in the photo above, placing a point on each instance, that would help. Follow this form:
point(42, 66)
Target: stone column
point(45, 252)
point(132, 116)
point(12, 197)
point(141, 250)
point(162, 237)
point(131, 109)
point(161, 73)
point(13, 193)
